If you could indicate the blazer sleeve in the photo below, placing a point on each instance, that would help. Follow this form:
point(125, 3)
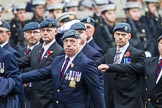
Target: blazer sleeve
point(24, 61)
point(38, 74)
point(132, 68)
point(11, 79)
point(92, 81)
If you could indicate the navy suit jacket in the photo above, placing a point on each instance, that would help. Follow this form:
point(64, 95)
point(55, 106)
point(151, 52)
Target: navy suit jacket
point(95, 46)
point(148, 69)
point(90, 52)
point(10, 80)
point(11, 50)
point(72, 97)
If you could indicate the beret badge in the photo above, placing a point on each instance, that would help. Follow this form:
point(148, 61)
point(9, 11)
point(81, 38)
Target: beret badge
point(50, 25)
point(126, 28)
point(88, 20)
point(76, 34)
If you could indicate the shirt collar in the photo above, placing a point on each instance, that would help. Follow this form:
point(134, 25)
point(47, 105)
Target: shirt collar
point(2, 45)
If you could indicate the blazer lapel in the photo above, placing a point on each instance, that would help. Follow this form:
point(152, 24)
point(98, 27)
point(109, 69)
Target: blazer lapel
point(151, 73)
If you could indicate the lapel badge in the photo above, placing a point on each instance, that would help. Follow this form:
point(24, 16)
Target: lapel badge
point(72, 65)
point(88, 20)
point(50, 25)
point(126, 28)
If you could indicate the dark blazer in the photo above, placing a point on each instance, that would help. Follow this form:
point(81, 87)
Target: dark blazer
point(147, 68)
point(11, 50)
point(95, 46)
point(42, 90)
point(10, 80)
point(72, 97)
point(91, 52)
point(122, 90)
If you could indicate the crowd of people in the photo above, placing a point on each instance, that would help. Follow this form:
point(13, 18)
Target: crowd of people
point(56, 60)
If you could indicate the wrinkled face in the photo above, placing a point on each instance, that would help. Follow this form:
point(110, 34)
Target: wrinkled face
point(71, 46)
point(4, 35)
point(32, 37)
point(89, 30)
point(121, 38)
point(160, 47)
point(20, 15)
point(152, 8)
point(39, 10)
point(48, 34)
point(110, 16)
point(134, 14)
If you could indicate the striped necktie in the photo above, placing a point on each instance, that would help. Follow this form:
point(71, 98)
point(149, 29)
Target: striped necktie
point(117, 57)
point(64, 66)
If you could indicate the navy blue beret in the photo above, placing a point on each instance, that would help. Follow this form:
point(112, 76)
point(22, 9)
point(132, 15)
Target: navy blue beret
point(78, 26)
point(71, 34)
point(5, 24)
point(88, 20)
point(49, 23)
point(31, 26)
point(160, 37)
point(123, 27)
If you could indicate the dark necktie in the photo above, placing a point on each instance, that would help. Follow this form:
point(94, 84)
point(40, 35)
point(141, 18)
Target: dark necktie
point(159, 68)
point(117, 57)
point(27, 51)
point(40, 54)
point(64, 67)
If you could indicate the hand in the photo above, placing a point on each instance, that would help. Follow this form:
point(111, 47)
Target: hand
point(103, 67)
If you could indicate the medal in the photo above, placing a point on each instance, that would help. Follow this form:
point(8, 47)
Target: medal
point(79, 76)
point(72, 83)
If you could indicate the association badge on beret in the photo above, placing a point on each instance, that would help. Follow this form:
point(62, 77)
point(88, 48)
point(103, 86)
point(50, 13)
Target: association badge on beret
point(126, 28)
point(88, 20)
point(76, 34)
point(71, 16)
point(50, 25)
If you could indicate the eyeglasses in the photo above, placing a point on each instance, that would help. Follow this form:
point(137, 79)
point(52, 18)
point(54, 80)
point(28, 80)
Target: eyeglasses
point(47, 30)
point(32, 32)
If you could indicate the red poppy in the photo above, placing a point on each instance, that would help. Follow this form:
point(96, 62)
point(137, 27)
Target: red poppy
point(127, 54)
point(49, 52)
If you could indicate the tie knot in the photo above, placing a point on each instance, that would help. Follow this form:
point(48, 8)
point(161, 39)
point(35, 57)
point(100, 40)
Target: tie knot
point(67, 59)
point(118, 51)
point(27, 51)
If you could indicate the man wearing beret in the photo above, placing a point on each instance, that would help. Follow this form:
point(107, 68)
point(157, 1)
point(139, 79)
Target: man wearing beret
point(74, 76)
point(90, 29)
point(150, 69)
point(32, 37)
point(4, 38)
point(122, 90)
point(41, 56)
point(89, 51)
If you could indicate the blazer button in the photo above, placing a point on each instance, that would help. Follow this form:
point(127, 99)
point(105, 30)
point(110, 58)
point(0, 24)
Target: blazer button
point(149, 99)
point(57, 102)
point(146, 89)
point(146, 77)
point(157, 100)
point(58, 90)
